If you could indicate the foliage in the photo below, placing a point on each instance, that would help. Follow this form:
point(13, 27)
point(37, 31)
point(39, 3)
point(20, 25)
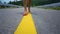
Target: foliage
point(35, 2)
point(16, 3)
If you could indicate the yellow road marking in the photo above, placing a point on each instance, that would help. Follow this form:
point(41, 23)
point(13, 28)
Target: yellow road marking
point(26, 26)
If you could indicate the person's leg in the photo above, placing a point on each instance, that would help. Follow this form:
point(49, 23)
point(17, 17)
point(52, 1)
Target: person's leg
point(25, 7)
point(29, 3)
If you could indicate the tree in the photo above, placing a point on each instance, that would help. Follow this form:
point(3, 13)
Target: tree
point(4, 2)
point(0, 2)
point(35, 2)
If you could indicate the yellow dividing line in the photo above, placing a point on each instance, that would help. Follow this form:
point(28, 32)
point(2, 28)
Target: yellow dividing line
point(26, 26)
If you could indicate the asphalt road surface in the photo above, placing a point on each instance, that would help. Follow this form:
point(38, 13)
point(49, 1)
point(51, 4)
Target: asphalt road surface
point(46, 21)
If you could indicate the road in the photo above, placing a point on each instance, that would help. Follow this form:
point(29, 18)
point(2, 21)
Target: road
point(46, 21)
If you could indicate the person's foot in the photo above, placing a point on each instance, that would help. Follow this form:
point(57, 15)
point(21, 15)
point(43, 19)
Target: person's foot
point(25, 13)
point(28, 10)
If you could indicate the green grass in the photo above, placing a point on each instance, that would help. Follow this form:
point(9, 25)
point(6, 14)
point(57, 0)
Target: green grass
point(52, 8)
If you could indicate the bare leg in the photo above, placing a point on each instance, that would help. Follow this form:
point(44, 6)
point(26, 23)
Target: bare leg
point(25, 7)
point(29, 3)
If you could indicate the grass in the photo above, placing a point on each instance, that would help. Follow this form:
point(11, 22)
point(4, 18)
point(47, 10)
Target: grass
point(52, 8)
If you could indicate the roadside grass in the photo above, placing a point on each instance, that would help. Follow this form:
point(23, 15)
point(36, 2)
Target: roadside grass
point(52, 8)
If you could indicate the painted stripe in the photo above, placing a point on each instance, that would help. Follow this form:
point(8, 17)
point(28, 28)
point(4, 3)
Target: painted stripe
point(26, 26)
